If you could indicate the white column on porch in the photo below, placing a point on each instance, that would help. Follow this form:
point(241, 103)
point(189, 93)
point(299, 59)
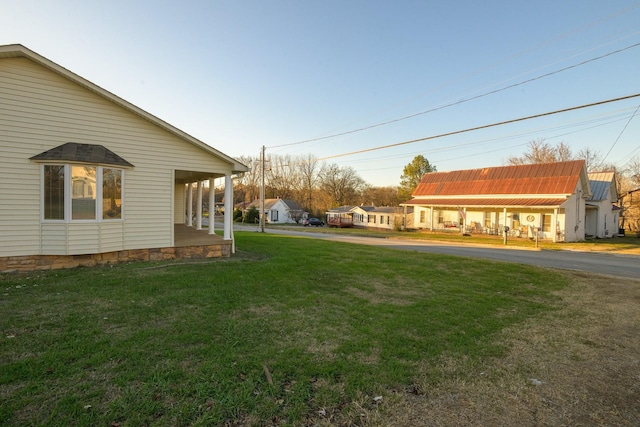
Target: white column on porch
point(554, 225)
point(504, 215)
point(228, 206)
point(212, 206)
point(190, 205)
point(199, 207)
point(431, 218)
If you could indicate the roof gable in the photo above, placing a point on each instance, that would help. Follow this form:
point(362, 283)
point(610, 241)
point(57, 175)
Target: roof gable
point(543, 178)
point(603, 186)
point(290, 204)
point(19, 51)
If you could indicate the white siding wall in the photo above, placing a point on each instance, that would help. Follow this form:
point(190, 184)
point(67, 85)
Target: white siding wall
point(573, 219)
point(40, 110)
point(179, 207)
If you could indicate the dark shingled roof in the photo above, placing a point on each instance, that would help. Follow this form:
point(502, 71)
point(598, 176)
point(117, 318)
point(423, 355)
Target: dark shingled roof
point(82, 153)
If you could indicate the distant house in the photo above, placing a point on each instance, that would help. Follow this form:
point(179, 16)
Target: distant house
point(547, 199)
point(86, 177)
point(371, 217)
point(277, 211)
point(342, 216)
point(602, 213)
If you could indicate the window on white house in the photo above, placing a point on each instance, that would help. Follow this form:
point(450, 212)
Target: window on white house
point(87, 191)
point(487, 220)
point(422, 216)
point(111, 193)
point(546, 223)
point(54, 192)
point(83, 199)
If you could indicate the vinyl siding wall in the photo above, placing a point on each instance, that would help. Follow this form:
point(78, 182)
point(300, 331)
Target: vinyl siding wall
point(40, 110)
point(180, 205)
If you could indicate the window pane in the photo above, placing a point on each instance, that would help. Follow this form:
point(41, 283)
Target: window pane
point(111, 193)
point(83, 199)
point(53, 192)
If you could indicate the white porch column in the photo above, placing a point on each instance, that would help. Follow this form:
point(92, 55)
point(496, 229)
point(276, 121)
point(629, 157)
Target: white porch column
point(190, 205)
point(464, 220)
point(199, 207)
point(228, 206)
point(212, 206)
point(554, 225)
point(431, 218)
point(504, 215)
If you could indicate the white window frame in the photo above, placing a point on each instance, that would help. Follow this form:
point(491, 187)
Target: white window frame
point(68, 194)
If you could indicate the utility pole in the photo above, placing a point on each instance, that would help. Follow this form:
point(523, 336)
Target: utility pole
point(262, 166)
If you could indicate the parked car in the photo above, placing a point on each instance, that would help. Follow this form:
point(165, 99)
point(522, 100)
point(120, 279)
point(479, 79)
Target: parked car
point(313, 221)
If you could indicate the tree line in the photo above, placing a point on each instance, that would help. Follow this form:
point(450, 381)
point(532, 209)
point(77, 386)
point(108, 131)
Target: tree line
point(319, 186)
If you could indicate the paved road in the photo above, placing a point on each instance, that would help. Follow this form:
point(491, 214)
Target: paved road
point(627, 266)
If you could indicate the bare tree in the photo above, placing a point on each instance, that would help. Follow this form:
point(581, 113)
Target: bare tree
point(563, 152)
point(247, 186)
point(592, 159)
point(308, 170)
point(341, 184)
point(282, 177)
point(381, 196)
point(540, 151)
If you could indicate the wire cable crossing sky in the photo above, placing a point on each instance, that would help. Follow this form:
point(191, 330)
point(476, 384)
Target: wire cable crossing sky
point(457, 102)
point(341, 77)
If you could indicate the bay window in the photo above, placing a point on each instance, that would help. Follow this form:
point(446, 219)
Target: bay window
point(82, 192)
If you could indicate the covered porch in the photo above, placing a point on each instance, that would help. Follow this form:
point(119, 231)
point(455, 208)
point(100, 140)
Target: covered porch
point(190, 207)
point(519, 217)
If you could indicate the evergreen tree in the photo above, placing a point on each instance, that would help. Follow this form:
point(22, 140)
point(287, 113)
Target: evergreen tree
point(412, 174)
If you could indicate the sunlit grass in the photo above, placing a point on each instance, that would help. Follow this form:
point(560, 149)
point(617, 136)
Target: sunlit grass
point(192, 343)
point(629, 243)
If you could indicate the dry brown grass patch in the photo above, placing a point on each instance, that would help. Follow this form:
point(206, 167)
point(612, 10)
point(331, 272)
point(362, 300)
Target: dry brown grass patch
point(576, 366)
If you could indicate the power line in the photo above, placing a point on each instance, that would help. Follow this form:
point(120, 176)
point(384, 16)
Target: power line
point(621, 132)
point(535, 116)
point(457, 102)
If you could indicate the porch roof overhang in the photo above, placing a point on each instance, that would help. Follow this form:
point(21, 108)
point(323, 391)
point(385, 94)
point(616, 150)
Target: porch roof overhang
point(185, 176)
point(489, 203)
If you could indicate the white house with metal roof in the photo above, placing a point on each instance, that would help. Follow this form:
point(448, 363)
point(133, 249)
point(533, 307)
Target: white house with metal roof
point(602, 213)
point(84, 172)
point(544, 200)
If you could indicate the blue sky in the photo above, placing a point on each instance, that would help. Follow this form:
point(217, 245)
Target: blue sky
point(242, 74)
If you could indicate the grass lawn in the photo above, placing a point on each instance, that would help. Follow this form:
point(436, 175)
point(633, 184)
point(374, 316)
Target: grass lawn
point(290, 331)
point(629, 244)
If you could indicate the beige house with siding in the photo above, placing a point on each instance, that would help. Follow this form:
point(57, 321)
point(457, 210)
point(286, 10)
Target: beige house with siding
point(86, 177)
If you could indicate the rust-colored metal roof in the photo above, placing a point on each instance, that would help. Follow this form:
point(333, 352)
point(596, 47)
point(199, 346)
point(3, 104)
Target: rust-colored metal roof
point(543, 178)
point(490, 203)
